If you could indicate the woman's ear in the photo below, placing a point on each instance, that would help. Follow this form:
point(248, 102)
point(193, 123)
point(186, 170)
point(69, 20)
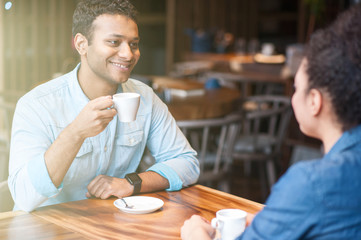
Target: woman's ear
point(80, 43)
point(315, 101)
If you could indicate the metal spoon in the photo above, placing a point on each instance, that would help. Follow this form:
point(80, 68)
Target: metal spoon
point(126, 204)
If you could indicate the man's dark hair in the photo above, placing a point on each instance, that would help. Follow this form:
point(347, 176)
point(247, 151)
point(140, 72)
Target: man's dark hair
point(88, 10)
point(334, 65)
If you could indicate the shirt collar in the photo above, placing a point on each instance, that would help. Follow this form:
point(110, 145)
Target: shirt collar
point(348, 139)
point(75, 90)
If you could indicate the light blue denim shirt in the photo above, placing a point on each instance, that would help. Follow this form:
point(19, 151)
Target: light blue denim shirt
point(45, 111)
point(318, 199)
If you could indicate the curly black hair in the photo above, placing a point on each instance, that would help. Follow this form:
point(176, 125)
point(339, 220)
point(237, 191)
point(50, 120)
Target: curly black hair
point(88, 10)
point(334, 65)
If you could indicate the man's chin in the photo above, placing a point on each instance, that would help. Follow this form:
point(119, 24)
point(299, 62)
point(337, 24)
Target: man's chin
point(119, 80)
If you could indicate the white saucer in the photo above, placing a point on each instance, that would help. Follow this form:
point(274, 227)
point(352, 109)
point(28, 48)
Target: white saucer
point(141, 204)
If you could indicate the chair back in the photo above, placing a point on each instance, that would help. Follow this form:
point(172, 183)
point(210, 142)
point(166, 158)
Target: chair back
point(265, 122)
point(212, 138)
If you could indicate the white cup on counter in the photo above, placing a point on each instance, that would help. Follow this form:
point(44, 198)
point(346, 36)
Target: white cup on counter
point(268, 49)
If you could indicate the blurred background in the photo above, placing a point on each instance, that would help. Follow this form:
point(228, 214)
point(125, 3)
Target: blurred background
point(36, 41)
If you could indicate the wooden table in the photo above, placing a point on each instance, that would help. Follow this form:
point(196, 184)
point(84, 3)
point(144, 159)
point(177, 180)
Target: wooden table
point(212, 104)
point(244, 70)
point(100, 219)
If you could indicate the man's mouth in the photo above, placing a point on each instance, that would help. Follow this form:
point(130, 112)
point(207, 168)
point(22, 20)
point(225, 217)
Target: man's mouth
point(121, 66)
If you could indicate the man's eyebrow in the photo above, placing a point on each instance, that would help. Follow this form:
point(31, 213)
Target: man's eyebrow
point(122, 36)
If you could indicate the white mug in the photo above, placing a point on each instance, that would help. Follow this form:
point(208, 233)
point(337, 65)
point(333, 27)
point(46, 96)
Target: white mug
point(127, 105)
point(268, 49)
point(231, 223)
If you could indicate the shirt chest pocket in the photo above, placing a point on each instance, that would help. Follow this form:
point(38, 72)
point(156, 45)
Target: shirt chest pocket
point(86, 148)
point(128, 151)
point(130, 139)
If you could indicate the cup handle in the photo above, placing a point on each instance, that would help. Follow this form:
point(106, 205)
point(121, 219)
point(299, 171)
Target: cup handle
point(214, 223)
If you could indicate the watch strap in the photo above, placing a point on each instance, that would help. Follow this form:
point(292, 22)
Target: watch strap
point(135, 180)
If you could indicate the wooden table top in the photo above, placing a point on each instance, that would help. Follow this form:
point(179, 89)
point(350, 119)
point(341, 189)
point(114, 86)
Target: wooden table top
point(100, 219)
point(218, 57)
point(245, 70)
point(212, 104)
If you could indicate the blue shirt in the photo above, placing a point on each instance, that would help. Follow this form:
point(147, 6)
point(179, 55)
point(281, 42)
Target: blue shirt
point(45, 111)
point(318, 199)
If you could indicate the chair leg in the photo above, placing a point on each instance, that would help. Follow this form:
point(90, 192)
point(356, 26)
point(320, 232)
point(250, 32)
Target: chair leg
point(271, 173)
point(263, 180)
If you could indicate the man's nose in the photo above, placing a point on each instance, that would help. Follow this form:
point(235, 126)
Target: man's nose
point(125, 51)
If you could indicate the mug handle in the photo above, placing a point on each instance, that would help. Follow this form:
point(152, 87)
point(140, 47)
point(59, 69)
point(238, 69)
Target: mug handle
point(215, 223)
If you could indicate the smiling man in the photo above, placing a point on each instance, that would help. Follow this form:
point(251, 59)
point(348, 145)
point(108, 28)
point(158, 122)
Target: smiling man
point(67, 142)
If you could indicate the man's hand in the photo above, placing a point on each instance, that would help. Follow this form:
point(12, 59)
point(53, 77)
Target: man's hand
point(249, 219)
point(104, 187)
point(197, 228)
point(92, 120)
point(94, 117)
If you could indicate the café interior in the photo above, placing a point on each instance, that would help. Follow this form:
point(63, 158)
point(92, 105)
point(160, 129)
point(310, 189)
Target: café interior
point(206, 59)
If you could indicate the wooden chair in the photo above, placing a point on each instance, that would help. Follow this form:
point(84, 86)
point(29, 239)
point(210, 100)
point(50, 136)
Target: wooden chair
point(265, 121)
point(212, 138)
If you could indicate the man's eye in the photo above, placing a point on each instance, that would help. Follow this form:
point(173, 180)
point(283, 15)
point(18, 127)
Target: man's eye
point(134, 45)
point(114, 42)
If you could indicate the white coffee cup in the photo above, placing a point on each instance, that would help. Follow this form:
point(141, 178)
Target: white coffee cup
point(127, 105)
point(268, 49)
point(231, 223)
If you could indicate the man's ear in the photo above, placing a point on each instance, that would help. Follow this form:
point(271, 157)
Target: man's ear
point(81, 43)
point(315, 101)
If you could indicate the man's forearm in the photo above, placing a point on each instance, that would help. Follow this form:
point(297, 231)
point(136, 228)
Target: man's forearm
point(60, 155)
point(152, 181)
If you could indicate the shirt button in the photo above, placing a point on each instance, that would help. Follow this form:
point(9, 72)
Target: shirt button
point(105, 148)
point(131, 140)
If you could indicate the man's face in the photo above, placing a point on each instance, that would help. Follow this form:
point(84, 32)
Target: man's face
point(300, 100)
point(114, 49)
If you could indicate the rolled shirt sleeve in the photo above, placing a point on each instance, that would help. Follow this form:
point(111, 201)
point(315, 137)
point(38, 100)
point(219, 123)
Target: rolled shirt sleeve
point(175, 158)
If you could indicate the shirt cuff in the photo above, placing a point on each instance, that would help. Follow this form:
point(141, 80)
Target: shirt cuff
point(40, 178)
point(175, 183)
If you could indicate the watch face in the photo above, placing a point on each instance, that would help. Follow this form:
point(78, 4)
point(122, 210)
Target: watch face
point(133, 178)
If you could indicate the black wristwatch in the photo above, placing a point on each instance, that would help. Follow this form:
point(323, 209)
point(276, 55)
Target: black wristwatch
point(135, 180)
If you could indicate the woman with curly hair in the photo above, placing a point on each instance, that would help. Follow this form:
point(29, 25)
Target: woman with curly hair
point(318, 199)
